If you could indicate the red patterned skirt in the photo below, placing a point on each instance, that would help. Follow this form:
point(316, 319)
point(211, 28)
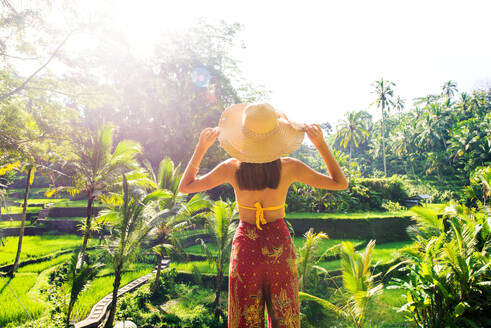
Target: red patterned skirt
point(263, 271)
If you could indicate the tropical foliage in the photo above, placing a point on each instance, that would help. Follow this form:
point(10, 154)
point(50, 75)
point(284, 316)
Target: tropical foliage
point(221, 227)
point(181, 216)
point(449, 273)
point(131, 223)
point(359, 285)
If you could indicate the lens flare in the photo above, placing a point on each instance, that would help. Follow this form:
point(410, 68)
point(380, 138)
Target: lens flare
point(201, 77)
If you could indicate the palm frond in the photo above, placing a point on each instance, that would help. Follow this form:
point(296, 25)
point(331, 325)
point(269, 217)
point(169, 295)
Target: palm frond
point(326, 304)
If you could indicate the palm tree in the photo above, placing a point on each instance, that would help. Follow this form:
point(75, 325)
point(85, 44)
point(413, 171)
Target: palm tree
point(399, 104)
point(464, 101)
point(401, 144)
point(79, 278)
point(31, 169)
point(449, 88)
point(222, 229)
point(132, 221)
point(351, 130)
point(97, 168)
point(167, 180)
point(359, 286)
point(307, 256)
point(385, 94)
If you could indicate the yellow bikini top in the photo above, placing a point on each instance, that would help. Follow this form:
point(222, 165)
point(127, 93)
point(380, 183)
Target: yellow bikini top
point(260, 212)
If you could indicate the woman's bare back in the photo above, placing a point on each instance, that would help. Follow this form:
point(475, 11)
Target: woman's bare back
point(267, 197)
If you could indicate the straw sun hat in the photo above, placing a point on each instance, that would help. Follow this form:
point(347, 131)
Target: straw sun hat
point(257, 133)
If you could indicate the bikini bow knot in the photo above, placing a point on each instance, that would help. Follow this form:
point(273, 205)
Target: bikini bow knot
point(259, 215)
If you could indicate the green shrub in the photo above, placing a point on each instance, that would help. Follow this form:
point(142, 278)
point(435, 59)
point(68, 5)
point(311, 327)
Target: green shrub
point(167, 286)
point(391, 206)
point(448, 274)
point(362, 194)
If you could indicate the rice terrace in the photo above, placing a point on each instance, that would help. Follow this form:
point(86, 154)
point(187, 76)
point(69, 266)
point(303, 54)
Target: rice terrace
point(104, 110)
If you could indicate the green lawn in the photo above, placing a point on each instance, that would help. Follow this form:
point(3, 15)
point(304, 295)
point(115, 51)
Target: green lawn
point(39, 246)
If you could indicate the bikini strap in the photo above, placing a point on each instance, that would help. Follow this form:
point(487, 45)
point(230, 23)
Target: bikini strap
point(260, 212)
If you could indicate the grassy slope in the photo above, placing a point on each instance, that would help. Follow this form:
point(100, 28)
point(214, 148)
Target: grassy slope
point(358, 215)
point(385, 253)
point(26, 285)
point(39, 246)
point(101, 286)
point(31, 278)
point(15, 224)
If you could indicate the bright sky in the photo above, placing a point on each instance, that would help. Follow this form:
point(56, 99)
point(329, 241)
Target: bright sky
point(320, 58)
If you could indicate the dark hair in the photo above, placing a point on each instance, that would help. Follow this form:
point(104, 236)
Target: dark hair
point(257, 176)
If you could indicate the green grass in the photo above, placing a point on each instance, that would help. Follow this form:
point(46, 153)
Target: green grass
point(100, 287)
point(203, 267)
point(191, 302)
point(66, 218)
point(324, 245)
point(385, 253)
point(26, 284)
point(41, 266)
point(14, 224)
point(39, 246)
point(75, 203)
point(10, 309)
point(18, 210)
point(31, 190)
point(382, 313)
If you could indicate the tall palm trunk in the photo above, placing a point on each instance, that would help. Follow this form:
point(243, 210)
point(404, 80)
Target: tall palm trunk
point(112, 311)
point(23, 223)
point(216, 303)
point(383, 140)
point(156, 283)
point(87, 226)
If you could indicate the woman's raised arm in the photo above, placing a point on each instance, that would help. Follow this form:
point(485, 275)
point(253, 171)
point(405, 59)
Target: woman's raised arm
point(220, 174)
point(305, 174)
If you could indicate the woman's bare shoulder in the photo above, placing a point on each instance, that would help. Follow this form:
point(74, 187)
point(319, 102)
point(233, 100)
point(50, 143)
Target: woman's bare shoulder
point(232, 162)
point(290, 162)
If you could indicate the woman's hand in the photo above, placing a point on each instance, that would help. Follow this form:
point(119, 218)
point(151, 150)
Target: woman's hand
point(208, 137)
point(314, 132)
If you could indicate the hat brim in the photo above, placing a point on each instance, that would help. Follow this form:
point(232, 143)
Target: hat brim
point(285, 139)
